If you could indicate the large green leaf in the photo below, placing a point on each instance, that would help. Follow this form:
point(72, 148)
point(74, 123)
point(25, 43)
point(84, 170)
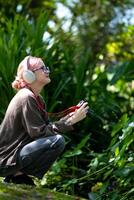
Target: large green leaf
point(123, 71)
point(120, 124)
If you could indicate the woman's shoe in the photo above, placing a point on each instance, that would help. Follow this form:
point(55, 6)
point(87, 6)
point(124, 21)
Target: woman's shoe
point(19, 179)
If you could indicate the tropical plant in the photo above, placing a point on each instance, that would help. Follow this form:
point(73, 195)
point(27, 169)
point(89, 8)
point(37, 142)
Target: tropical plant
point(89, 61)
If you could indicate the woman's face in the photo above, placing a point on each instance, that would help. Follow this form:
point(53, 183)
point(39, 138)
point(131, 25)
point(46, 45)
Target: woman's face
point(42, 74)
point(37, 66)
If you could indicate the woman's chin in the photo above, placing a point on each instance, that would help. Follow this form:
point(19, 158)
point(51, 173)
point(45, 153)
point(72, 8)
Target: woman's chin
point(47, 81)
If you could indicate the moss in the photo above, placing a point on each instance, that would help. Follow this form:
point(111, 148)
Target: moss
point(23, 192)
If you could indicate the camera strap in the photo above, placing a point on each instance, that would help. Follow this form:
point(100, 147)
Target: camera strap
point(41, 107)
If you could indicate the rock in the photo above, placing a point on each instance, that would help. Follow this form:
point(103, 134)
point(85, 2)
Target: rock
point(24, 192)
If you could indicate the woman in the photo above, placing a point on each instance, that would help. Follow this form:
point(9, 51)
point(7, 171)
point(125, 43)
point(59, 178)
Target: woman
point(29, 142)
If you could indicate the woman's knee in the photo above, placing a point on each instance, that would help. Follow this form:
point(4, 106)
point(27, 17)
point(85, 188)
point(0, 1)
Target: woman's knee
point(59, 142)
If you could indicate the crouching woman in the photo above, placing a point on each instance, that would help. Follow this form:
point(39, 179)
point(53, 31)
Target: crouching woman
point(29, 141)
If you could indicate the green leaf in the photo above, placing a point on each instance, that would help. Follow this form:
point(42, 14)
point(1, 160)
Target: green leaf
point(124, 172)
point(120, 124)
point(114, 196)
point(94, 196)
point(123, 71)
point(117, 151)
point(83, 142)
point(72, 181)
point(76, 152)
point(94, 163)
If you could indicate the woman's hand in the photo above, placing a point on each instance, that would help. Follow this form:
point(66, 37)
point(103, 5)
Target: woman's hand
point(78, 114)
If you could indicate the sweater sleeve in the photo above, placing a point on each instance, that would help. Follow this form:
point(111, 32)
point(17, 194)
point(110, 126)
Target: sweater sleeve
point(35, 124)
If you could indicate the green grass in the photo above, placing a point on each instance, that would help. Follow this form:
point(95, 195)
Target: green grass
point(23, 192)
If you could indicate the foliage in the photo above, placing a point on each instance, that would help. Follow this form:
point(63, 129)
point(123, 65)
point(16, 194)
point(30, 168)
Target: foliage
point(114, 167)
point(92, 60)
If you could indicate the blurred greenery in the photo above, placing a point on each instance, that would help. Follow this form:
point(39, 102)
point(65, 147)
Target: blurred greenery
point(91, 59)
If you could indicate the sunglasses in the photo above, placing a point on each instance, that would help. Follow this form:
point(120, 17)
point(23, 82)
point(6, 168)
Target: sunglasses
point(44, 68)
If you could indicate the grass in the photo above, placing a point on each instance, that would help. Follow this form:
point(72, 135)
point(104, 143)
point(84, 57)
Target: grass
point(24, 192)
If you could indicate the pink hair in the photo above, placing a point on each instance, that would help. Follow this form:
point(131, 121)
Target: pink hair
point(19, 83)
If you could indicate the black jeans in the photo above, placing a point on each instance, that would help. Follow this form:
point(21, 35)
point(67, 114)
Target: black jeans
point(37, 157)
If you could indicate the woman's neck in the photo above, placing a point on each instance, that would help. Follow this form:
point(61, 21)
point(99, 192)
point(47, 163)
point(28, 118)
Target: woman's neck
point(36, 89)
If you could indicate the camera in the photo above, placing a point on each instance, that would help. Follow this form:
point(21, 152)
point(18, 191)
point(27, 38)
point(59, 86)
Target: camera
point(90, 113)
